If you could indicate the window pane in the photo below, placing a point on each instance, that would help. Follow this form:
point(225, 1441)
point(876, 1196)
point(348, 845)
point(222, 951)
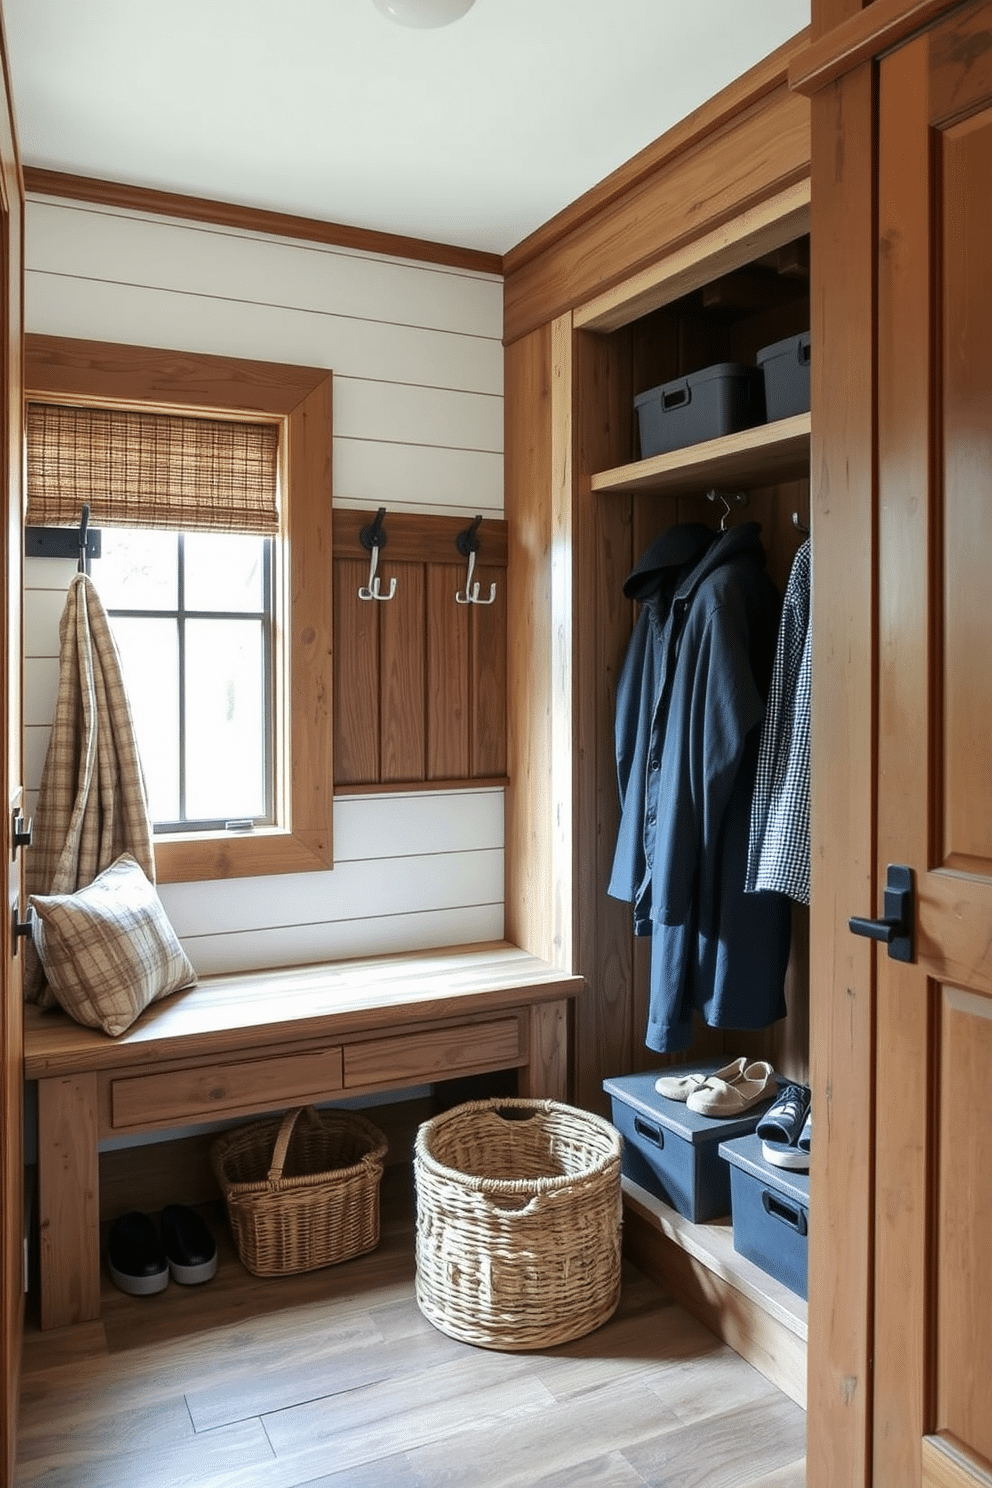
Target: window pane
point(223, 571)
point(149, 651)
point(137, 569)
point(225, 719)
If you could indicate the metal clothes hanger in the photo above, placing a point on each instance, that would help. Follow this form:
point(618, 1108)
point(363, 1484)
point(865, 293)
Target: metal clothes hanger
point(739, 496)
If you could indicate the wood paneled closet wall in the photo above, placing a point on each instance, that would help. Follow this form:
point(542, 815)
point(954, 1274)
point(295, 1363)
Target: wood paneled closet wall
point(695, 253)
point(892, 153)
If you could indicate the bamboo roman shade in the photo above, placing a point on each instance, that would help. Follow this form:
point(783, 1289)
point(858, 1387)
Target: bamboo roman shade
point(140, 469)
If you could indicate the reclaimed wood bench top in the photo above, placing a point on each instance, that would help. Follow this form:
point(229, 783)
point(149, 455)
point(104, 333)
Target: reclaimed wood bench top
point(252, 1009)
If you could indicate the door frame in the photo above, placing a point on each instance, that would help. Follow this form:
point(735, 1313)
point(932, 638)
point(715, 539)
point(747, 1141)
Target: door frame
point(11, 1005)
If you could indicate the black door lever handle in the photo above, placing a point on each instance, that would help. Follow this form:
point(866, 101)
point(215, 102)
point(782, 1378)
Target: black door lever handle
point(884, 930)
point(895, 927)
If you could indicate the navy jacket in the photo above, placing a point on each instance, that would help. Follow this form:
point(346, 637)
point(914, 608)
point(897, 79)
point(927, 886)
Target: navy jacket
point(690, 701)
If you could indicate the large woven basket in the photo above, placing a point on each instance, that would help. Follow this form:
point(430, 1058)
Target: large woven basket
point(518, 1222)
point(302, 1191)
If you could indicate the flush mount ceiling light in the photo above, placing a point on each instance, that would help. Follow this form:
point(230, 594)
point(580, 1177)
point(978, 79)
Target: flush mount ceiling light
point(423, 14)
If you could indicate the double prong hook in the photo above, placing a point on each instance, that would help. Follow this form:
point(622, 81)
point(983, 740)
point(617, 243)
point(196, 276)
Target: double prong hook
point(373, 537)
point(467, 542)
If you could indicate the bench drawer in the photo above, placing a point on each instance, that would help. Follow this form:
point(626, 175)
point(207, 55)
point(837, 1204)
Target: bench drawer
point(435, 1053)
point(216, 1089)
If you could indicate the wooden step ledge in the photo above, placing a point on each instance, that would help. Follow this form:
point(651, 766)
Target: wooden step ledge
point(760, 1318)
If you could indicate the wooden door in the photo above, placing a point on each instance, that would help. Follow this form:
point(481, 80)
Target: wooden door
point(933, 1094)
point(11, 1010)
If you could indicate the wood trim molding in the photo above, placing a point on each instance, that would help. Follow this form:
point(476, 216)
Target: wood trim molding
point(947, 1463)
point(758, 153)
point(749, 89)
point(300, 398)
point(768, 225)
point(40, 182)
point(842, 805)
point(882, 25)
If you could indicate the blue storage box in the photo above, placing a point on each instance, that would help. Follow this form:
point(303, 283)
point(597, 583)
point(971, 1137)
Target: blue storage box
point(770, 1208)
point(785, 367)
point(717, 400)
point(671, 1151)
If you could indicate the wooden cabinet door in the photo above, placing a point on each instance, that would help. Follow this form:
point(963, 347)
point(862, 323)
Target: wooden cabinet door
point(933, 1093)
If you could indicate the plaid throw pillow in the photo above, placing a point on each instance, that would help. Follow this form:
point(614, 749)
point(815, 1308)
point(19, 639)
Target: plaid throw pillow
point(108, 950)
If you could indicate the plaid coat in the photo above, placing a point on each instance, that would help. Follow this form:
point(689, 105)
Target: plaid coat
point(778, 851)
point(92, 804)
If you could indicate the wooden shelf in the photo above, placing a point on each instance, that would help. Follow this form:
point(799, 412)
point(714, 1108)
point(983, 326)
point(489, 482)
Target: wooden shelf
point(755, 1314)
point(768, 453)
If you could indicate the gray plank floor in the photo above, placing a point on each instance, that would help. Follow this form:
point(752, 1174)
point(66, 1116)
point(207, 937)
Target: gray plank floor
point(335, 1380)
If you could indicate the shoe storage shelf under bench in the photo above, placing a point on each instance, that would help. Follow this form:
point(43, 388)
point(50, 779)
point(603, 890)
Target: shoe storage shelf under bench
point(247, 1043)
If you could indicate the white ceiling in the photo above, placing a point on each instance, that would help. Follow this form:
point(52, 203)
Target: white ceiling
point(473, 135)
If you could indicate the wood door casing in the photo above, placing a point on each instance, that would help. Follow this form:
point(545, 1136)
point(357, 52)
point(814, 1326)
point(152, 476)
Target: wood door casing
point(933, 1142)
point(11, 1004)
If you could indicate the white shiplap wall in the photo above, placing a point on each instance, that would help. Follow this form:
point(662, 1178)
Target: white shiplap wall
point(417, 358)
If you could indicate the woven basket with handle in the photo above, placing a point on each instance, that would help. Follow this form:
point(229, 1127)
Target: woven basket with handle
point(518, 1222)
point(302, 1191)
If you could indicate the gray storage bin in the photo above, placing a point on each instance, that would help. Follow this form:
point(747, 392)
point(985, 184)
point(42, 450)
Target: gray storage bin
point(770, 1208)
point(785, 367)
point(718, 400)
point(671, 1151)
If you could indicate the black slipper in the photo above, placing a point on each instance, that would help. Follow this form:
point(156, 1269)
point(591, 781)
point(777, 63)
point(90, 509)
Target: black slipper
point(189, 1246)
point(135, 1257)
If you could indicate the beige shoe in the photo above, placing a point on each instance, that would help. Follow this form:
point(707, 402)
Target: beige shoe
point(717, 1097)
point(679, 1087)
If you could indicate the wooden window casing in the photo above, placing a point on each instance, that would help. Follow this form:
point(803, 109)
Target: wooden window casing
point(298, 400)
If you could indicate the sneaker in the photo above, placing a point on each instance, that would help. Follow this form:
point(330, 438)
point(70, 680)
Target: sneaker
point(189, 1246)
point(784, 1155)
point(135, 1257)
point(782, 1126)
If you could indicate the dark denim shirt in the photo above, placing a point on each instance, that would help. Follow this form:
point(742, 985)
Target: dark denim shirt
point(690, 700)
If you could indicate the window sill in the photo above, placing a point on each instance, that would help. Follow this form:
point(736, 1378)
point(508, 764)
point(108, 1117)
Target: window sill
point(195, 857)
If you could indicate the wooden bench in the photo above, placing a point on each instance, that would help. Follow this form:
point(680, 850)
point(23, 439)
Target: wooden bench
point(253, 1042)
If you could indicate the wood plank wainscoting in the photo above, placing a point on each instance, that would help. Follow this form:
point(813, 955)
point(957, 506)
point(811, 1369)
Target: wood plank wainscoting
point(419, 679)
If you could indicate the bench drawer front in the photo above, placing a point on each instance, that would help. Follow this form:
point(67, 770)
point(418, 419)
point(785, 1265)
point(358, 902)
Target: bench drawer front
point(252, 1084)
point(436, 1052)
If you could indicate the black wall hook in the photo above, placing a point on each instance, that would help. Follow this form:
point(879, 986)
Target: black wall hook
point(374, 535)
point(468, 541)
point(82, 542)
